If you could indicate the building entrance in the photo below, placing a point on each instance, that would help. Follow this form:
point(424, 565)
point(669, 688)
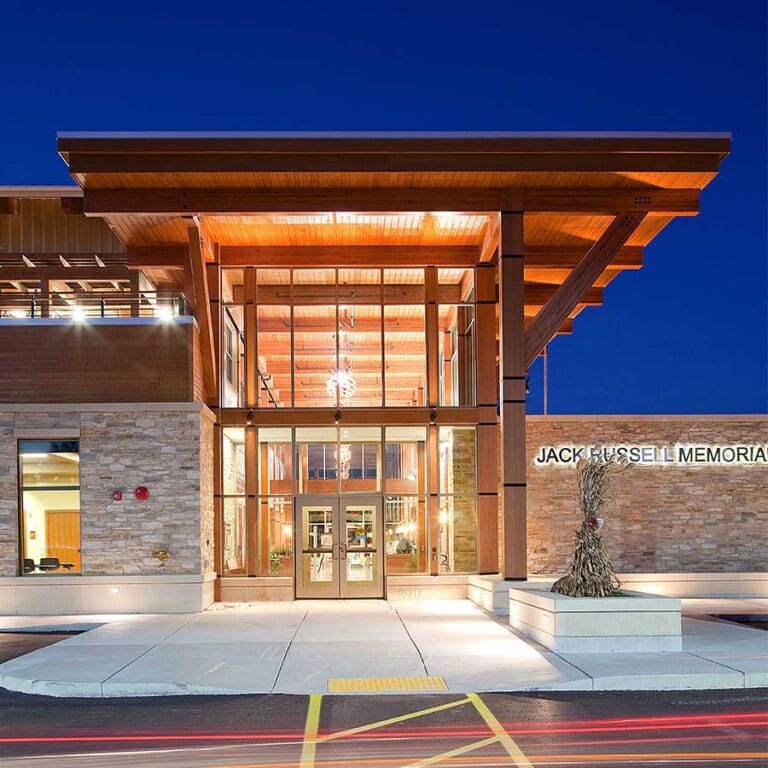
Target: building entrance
point(339, 552)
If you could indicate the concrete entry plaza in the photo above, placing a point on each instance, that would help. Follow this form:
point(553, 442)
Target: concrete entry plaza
point(297, 647)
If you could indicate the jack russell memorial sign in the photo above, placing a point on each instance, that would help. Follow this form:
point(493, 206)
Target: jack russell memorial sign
point(679, 454)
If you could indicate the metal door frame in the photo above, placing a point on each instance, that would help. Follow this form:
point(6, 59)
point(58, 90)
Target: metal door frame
point(299, 552)
point(377, 587)
point(338, 551)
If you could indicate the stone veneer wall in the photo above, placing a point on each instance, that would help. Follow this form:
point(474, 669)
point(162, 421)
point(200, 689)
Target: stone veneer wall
point(168, 448)
point(663, 518)
point(461, 479)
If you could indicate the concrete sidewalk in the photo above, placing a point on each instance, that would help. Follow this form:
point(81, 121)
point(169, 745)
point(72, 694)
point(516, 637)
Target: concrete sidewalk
point(297, 647)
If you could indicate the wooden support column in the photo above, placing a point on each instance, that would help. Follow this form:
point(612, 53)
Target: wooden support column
point(251, 502)
point(487, 428)
point(264, 511)
point(431, 326)
point(213, 272)
point(45, 297)
point(433, 504)
point(512, 387)
point(135, 295)
point(431, 322)
point(251, 352)
point(200, 281)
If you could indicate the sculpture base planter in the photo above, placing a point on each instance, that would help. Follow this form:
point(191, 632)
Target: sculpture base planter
point(634, 622)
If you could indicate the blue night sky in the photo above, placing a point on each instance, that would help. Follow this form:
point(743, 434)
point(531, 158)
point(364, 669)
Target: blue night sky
point(687, 333)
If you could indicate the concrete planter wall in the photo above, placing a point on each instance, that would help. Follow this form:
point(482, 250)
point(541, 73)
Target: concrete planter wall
point(635, 622)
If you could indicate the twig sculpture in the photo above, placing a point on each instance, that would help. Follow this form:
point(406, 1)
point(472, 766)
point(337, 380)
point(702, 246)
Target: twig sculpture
point(591, 572)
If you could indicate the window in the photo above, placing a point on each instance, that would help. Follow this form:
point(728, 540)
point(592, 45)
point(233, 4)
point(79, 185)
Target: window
point(233, 504)
point(49, 489)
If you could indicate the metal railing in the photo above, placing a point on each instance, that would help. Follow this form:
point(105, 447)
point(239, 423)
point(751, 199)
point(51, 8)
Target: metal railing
point(84, 305)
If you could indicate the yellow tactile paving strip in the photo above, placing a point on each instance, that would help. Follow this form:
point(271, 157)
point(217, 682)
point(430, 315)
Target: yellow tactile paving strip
point(430, 683)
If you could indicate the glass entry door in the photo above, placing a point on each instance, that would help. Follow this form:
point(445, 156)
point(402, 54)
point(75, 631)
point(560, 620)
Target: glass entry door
point(340, 552)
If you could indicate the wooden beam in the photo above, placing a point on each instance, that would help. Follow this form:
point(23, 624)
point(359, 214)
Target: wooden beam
point(8, 206)
point(512, 390)
point(76, 274)
point(203, 308)
point(540, 293)
point(185, 202)
point(163, 257)
point(376, 256)
point(72, 206)
point(490, 244)
point(571, 292)
point(567, 257)
point(358, 158)
point(668, 202)
point(238, 417)
point(372, 256)
point(396, 144)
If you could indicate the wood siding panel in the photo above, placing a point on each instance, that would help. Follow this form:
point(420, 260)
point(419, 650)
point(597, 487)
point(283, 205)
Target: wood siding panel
point(90, 363)
point(40, 225)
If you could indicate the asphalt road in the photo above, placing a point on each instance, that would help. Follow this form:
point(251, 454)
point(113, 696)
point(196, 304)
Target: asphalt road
point(696, 728)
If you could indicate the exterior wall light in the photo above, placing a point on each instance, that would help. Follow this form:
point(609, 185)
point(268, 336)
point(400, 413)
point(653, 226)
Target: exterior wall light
point(164, 313)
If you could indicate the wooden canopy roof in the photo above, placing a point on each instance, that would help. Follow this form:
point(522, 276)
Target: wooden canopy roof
point(388, 199)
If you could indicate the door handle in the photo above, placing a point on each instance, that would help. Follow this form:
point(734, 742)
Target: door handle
point(342, 552)
point(333, 552)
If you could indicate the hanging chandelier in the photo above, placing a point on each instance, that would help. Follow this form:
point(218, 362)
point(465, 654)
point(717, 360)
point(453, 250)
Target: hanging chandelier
point(343, 455)
point(341, 382)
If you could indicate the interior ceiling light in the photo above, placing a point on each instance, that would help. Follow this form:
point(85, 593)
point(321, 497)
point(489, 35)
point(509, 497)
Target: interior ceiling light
point(342, 383)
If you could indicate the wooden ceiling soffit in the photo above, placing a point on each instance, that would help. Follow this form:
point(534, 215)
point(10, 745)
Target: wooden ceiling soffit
point(578, 283)
point(197, 259)
point(185, 202)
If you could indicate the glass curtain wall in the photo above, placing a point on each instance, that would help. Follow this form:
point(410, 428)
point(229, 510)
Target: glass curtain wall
point(390, 462)
point(232, 339)
point(328, 338)
point(234, 530)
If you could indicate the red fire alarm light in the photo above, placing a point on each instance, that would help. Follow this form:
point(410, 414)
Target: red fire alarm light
point(117, 495)
point(141, 493)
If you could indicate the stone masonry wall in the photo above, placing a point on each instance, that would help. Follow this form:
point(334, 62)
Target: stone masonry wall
point(168, 449)
point(663, 518)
